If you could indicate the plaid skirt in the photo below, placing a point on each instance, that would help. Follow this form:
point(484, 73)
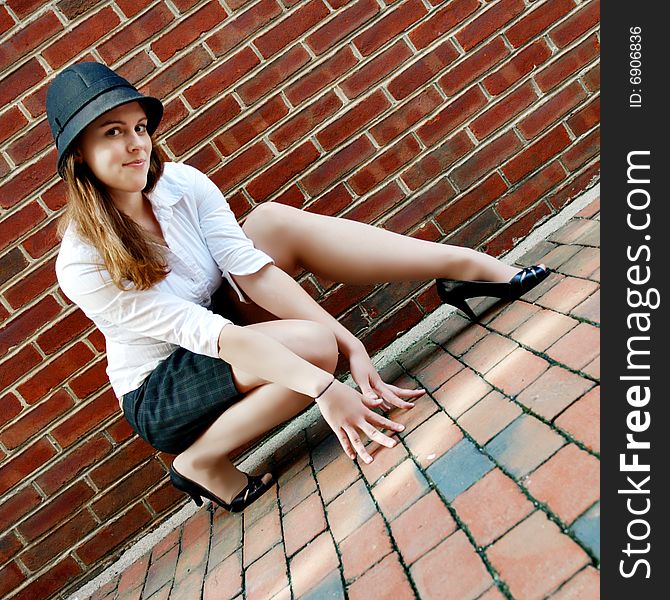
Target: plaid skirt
point(181, 398)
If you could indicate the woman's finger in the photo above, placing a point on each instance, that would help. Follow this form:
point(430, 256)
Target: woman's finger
point(371, 400)
point(381, 421)
point(346, 446)
point(377, 436)
point(366, 388)
point(392, 398)
point(357, 444)
point(404, 392)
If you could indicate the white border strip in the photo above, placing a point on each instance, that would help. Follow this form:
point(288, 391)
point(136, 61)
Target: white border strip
point(381, 359)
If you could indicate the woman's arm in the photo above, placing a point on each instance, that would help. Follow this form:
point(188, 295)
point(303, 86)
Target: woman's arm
point(151, 313)
point(277, 292)
point(265, 357)
point(340, 405)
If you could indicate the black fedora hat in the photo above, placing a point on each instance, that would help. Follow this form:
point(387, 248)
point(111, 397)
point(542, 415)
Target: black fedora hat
point(81, 93)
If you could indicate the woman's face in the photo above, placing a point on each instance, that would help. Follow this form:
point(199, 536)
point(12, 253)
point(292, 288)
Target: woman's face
point(116, 147)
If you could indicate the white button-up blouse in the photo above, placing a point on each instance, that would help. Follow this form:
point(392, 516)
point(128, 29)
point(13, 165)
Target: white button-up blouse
point(142, 328)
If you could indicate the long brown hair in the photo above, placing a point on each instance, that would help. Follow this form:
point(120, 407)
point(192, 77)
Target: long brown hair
point(126, 248)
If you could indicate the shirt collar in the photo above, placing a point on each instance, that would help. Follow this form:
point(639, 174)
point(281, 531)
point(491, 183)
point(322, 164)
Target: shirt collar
point(166, 192)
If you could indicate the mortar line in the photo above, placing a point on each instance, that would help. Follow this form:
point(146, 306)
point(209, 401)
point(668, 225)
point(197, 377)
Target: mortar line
point(565, 528)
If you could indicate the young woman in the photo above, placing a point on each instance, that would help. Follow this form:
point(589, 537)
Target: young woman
point(145, 246)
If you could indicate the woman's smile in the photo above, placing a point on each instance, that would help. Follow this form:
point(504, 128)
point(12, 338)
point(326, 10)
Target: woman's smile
point(140, 162)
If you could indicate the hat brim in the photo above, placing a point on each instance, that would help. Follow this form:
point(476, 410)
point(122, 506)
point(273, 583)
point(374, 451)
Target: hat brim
point(100, 105)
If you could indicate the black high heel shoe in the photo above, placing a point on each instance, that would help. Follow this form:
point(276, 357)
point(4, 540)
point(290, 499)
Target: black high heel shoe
point(455, 292)
point(254, 489)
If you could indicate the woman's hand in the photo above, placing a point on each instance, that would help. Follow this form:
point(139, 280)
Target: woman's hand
point(377, 393)
point(343, 409)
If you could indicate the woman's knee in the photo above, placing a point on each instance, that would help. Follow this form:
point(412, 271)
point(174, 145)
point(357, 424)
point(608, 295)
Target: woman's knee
point(269, 220)
point(268, 226)
point(319, 345)
point(308, 339)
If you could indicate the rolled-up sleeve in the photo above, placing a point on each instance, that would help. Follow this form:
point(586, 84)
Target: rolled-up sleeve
point(233, 251)
point(151, 313)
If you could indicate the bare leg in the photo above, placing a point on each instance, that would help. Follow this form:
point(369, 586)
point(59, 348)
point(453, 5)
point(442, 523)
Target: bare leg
point(352, 252)
point(264, 406)
point(206, 461)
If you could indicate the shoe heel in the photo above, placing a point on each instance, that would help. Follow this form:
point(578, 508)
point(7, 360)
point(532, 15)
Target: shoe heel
point(451, 292)
point(197, 499)
point(463, 305)
point(185, 485)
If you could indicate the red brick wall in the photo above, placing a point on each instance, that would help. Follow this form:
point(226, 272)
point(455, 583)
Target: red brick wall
point(464, 121)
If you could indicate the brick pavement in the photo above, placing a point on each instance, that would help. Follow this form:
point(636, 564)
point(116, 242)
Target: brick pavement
point(493, 491)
